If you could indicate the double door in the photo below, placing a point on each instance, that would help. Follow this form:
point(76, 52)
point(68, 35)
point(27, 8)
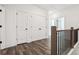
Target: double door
point(38, 30)
point(30, 27)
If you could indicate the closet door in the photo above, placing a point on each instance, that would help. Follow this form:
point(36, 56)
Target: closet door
point(22, 27)
point(42, 27)
point(2, 27)
point(34, 27)
point(38, 27)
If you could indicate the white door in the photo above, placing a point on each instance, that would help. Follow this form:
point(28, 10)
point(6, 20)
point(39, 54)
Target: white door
point(38, 27)
point(42, 27)
point(2, 29)
point(22, 27)
point(34, 27)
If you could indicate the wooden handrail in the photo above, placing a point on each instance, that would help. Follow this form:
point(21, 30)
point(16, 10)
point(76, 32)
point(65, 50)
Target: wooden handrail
point(76, 29)
point(66, 30)
point(63, 30)
point(72, 37)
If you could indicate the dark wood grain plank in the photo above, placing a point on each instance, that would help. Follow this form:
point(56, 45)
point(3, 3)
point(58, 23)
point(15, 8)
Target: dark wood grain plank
point(39, 47)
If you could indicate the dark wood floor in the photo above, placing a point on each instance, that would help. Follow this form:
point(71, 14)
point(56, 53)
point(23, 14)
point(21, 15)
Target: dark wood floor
point(39, 47)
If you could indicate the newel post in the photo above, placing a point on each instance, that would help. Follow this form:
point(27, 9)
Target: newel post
point(72, 37)
point(53, 40)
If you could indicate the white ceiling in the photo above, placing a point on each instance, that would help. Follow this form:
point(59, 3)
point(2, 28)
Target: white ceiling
point(54, 7)
point(49, 7)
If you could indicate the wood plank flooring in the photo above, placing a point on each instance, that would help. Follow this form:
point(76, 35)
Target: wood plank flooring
point(39, 47)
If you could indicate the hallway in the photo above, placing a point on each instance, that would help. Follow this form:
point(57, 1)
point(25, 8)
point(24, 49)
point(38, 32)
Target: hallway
point(39, 47)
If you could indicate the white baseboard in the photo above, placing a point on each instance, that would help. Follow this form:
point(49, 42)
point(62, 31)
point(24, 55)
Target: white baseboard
point(73, 48)
point(9, 45)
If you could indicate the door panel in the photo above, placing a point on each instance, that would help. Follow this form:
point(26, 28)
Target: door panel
point(42, 25)
point(38, 27)
point(34, 27)
point(22, 28)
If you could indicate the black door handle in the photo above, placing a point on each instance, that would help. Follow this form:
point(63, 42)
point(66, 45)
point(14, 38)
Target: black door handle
point(39, 28)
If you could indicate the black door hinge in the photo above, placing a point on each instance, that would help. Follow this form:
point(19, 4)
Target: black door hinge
point(0, 42)
point(0, 10)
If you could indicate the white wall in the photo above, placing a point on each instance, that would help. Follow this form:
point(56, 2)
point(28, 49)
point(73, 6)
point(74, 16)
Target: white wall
point(71, 16)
